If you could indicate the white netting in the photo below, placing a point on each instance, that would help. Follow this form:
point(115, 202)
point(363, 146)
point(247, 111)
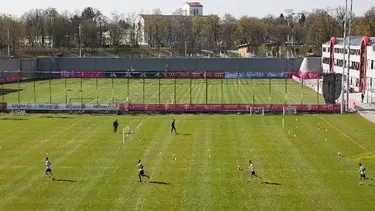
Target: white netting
point(154, 98)
point(257, 111)
point(289, 110)
point(17, 112)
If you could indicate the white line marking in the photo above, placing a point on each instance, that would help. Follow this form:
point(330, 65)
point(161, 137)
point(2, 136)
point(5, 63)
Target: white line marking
point(344, 134)
point(139, 125)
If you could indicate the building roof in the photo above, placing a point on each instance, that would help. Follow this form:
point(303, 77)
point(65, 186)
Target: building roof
point(354, 41)
point(194, 4)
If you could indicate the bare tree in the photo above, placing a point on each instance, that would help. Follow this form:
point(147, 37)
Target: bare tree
point(228, 29)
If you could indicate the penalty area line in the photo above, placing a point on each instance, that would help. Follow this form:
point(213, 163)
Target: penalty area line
point(344, 134)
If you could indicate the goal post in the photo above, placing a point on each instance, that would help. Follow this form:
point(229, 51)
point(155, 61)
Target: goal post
point(289, 110)
point(256, 111)
point(17, 113)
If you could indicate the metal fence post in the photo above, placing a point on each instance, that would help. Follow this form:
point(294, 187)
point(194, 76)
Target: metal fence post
point(34, 89)
point(50, 86)
point(143, 90)
point(18, 86)
point(159, 89)
point(269, 91)
point(128, 86)
point(175, 91)
point(97, 91)
point(222, 91)
point(190, 90)
point(112, 89)
point(206, 91)
point(66, 90)
point(253, 80)
point(2, 87)
point(317, 92)
point(238, 87)
point(302, 92)
point(81, 90)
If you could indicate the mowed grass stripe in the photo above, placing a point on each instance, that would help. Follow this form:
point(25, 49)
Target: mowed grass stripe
point(106, 92)
point(188, 180)
point(274, 154)
point(100, 184)
point(23, 192)
point(311, 175)
point(27, 146)
point(130, 187)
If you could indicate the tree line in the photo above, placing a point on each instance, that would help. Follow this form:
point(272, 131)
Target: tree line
point(91, 29)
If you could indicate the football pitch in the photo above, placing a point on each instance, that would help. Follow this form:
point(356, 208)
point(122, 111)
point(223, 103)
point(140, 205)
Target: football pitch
point(163, 91)
point(96, 170)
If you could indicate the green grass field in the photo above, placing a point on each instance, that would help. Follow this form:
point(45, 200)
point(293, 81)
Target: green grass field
point(95, 170)
point(244, 91)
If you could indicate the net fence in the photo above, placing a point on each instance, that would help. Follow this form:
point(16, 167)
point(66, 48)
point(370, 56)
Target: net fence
point(44, 89)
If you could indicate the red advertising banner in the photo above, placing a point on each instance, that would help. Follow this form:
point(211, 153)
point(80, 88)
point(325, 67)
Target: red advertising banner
point(195, 74)
point(311, 75)
point(13, 78)
point(226, 107)
point(3, 106)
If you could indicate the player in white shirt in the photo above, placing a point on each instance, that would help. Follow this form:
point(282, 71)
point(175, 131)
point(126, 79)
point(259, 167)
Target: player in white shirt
point(252, 172)
point(49, 169)
point(362, 176)
point(141, 170)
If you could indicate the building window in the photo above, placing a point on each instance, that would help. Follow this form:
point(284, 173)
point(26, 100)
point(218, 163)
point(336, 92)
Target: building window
point(370, 82)
point(351, 80)
point(356, 82)
point(372, 64)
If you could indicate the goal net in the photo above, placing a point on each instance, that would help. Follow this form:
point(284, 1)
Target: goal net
point(150, 98)
point(289, 110)
point(256, 111)
point(17, 112)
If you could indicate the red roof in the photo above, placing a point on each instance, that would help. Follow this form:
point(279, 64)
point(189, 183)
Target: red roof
point(194, 4)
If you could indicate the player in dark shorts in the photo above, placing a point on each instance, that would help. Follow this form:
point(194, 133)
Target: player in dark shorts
point(141, 171)
point(49, 169)
point(362, 175)
point(173, 126)
point(115, 126)
point(252, 173)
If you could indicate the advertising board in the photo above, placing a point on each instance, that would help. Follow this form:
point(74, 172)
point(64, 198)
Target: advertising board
point(61, 107)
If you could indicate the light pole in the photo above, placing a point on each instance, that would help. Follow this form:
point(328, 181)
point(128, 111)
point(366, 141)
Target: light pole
point(344, 60)
point(8, 35)
point(79, 40)
point(348, 67)
point(290, 15)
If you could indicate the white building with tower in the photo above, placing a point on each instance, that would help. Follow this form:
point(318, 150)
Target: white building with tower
point(188, 10)
point(362, 62)
point(192, 9)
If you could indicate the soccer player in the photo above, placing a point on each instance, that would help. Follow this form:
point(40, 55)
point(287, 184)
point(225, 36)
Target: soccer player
point(141, 171)
point(252, 172)
point(362, 176)
point(48, 169)
point(115, 126)
point(173, 127)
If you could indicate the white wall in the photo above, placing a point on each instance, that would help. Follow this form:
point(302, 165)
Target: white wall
point(353, 73)
point(190, 10)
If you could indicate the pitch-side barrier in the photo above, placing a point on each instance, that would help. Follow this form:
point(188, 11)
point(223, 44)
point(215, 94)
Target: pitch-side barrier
point(170, 108)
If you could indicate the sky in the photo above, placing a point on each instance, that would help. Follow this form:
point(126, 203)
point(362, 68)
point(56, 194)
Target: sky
point(238, 8)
